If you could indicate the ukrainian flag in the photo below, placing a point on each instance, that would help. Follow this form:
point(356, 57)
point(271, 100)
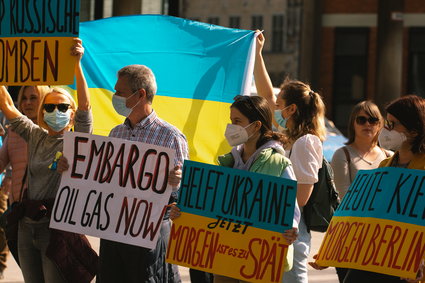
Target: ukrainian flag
point(199, 69)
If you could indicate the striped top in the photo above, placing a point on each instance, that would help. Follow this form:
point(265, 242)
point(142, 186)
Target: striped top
point(14, 152)
point(153, 130)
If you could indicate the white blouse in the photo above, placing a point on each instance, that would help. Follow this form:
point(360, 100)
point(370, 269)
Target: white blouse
point(306, 156)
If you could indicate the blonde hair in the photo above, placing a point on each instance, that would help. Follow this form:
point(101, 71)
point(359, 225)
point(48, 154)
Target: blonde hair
point(41, 90)
point(309, 117)
point(54, 91)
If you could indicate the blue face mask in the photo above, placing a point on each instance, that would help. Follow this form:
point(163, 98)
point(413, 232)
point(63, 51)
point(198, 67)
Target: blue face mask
point(57, 120)
point(279, 119)
point(119, 103)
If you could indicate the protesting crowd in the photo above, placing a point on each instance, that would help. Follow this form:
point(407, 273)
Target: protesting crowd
point(276, 135)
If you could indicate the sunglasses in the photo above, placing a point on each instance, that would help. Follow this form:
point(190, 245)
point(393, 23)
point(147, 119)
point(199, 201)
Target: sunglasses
point(62, 107)
point(361, 120)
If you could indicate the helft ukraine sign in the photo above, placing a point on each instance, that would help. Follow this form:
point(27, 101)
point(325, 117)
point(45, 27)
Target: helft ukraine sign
point(114, 189)
point(232, 222)
point(35, 41)
point(380, 224)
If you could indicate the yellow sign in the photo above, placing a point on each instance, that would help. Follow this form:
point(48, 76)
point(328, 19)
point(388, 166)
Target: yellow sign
point(380, 224)
point(36, 61)
point(259, 256)
point(371, 244)
point(35, 41)
point(232, 223)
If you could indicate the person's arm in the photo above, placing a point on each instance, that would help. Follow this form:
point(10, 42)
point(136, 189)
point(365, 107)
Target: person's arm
point(82, 88)
point(182, 153)
point(4, 155)
point(6, 105)
point(341, 172)
point(306, 158)
point(291, 235)
point(263, 82)
point(303, 193)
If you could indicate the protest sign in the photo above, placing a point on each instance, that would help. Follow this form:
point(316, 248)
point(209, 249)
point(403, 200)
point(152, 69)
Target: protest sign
point(232, 222)
point(35, 41)
point(114, 189)
point(380, 224)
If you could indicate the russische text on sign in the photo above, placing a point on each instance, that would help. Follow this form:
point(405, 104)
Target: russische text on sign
point(35, 41)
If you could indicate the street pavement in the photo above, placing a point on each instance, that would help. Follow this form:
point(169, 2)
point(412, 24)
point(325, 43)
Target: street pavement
point(13, 274)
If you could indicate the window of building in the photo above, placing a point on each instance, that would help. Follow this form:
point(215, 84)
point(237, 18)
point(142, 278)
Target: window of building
point(416, 69)
point(277, 33)
point(257, 22)
point(213, 20)
point(350, 72)
point(234, 22)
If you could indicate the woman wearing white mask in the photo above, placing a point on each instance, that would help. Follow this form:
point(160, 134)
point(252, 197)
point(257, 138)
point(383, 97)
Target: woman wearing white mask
point(300, 114)
point(57, 113)
point(256, 148)
point(405, 131)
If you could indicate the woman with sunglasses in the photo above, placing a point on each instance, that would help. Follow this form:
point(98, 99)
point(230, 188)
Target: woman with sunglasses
point(256, 148)
point(57, 113)
point(14, 150)
point(360, 153)
point(299, 112)
point(405, 119)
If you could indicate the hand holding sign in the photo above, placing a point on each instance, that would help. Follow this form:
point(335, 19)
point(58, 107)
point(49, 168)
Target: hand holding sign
point(115, 189)
point(379, 226)
point(232, 222)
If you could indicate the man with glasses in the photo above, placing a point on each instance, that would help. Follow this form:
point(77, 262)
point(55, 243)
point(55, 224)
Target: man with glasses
point(119, 262)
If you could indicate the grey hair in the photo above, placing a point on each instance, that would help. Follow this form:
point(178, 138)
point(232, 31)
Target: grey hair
point(140, 76)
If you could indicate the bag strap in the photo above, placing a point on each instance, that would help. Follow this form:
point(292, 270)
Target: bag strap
point(24, 180)
point(347, 156)
point(387, 154)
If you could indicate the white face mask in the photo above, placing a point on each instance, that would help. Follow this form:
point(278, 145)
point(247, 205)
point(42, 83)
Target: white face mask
point(236, 135)
point(391, 140)
point(119, 104)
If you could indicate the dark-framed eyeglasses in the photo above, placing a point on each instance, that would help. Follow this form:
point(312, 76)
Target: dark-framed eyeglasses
point(361, 120)
point(50, 107)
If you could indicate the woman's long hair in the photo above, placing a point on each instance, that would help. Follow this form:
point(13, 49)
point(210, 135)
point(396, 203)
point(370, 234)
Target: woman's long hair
point(42, 90)
point(410, 111)
point(370, 109)
point(310, 115)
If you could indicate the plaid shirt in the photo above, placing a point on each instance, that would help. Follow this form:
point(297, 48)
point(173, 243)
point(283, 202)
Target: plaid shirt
point(153, 130)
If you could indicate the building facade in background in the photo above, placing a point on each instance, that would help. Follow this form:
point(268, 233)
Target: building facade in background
point(364, 49)
point(349, 51)
point(280, 20)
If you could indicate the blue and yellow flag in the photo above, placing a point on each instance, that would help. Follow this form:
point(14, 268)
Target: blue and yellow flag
point(199, 69)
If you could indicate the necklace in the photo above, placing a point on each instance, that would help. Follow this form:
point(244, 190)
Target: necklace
point(366, 154)
point(367, 161)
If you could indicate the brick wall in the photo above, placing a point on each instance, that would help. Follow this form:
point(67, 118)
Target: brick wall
point(350, 7)
point(414, 6)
